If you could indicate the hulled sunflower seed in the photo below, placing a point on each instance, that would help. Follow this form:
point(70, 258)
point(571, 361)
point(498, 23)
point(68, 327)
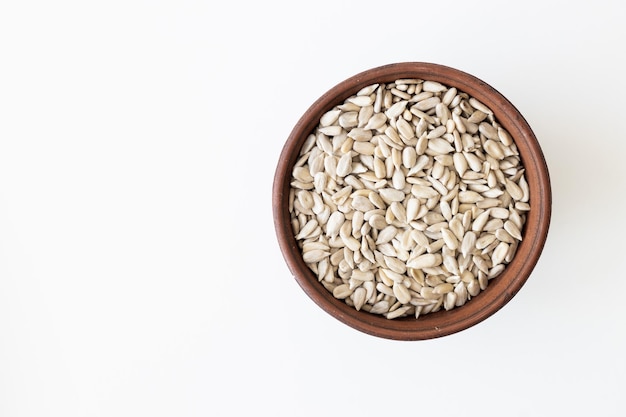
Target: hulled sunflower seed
point(425, 261)
point(512, 229)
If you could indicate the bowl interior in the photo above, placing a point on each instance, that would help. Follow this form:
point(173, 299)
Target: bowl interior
point(501, 289)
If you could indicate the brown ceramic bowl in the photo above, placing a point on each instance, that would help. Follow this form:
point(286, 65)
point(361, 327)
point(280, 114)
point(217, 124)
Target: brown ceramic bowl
point(501, 289)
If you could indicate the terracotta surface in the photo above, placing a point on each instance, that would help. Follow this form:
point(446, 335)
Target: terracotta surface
point(501, 289)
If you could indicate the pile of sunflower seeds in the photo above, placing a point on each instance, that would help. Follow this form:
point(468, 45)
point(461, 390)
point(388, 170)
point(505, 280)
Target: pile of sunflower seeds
point(407, 198)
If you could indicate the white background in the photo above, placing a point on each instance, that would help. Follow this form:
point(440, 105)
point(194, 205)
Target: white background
point(139, 269)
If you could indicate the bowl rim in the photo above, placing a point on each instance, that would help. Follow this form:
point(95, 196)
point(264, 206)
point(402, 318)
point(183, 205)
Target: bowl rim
point(500, 290)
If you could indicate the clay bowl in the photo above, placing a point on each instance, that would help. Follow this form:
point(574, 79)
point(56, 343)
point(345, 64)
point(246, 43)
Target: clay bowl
point(501, 289)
